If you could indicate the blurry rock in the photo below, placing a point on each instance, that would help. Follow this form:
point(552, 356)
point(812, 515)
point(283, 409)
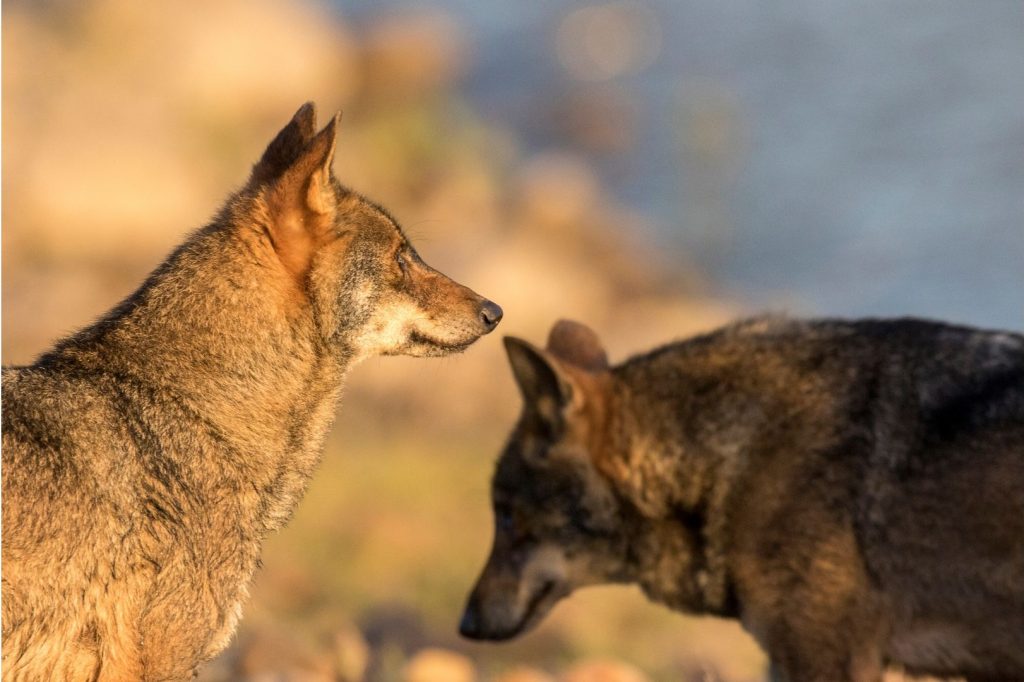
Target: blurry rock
point(275, 656)
point(598, 118)
point(557, 190)
point(293, 586)
point(604, 671)
point(393, 625)
point(562, 205)
point(524, 674)
point(387, 663)
point(439, 665)
point(601, 41)
point(714, 649)
point(696, 671)
point(351, 653)
point(220, 669)
point(412, 53)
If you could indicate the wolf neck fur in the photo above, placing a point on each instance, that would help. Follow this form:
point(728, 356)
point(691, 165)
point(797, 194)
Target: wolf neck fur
point(210, 332)
point(682, 473)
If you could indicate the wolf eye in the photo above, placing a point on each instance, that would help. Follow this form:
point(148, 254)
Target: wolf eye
point(503, 519)
point(402, 263)
point(579, 518)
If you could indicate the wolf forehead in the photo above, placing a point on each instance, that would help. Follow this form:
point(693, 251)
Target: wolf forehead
point(367, 217)
point(515, 475)
point(526, 476)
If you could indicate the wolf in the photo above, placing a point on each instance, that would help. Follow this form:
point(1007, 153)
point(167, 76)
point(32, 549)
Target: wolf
point(851, 491)
point(146, 457)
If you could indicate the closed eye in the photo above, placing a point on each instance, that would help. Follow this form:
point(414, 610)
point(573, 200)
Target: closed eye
point(585, 523)
point(579, 518)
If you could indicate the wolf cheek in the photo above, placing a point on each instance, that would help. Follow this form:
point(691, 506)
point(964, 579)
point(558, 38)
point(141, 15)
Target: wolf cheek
point(423, 314)
point(440, 316)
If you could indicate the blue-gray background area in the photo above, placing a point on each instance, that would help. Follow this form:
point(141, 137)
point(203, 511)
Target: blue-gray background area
point(878, 166)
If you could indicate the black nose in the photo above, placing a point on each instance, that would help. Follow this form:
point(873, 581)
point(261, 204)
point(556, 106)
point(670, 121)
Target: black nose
point(490, 315)
point(469, 626)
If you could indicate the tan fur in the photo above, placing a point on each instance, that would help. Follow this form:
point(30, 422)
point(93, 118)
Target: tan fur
point(146, 457)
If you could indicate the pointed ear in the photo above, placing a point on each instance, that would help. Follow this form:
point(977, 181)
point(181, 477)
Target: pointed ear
point(577, 343)
point(306, 182)
point(285, 148)
point(545, 388)
point(301, 200)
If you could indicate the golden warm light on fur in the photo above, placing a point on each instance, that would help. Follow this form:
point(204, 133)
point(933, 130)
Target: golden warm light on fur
point(146, 457)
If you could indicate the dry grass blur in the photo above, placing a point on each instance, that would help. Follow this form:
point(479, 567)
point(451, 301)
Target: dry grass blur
point(125, 125)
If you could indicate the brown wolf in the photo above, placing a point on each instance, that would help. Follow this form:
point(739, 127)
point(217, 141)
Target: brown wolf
point(853, 492)
point(146, 457)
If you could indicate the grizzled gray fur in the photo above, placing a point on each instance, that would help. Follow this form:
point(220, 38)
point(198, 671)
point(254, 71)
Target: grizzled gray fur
point(852, 491)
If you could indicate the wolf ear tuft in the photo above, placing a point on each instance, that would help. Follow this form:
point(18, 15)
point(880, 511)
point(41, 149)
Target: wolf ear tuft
point(544, 387)
point(300, 198)
point(577, 343)
point(286, 147)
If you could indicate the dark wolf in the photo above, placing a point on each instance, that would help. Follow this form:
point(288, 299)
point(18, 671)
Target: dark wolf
point(146, 457)
point(852, 492)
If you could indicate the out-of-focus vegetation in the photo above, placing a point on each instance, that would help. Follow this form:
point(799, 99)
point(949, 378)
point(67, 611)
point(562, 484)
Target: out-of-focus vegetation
point(126, 123)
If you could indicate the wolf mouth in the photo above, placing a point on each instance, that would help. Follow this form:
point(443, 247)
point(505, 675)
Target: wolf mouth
point(531, 614)
point(448, 347)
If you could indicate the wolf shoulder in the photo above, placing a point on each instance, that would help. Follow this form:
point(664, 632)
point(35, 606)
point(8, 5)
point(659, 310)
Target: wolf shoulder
point(59, 430)
point(939, 386)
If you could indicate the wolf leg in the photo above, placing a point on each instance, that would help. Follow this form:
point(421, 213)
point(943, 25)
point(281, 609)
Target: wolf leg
point(810, 648)
point(818, 668)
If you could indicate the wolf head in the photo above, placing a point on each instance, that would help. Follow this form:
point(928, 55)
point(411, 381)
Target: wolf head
point(368, 288)
point(559, 523)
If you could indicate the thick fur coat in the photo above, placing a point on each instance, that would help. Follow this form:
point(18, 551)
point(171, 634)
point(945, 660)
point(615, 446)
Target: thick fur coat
point(852, 491)
point(146, 457)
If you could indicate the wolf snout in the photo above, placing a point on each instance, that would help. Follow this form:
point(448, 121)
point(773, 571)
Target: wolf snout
point(476, 624)
point(469, 626)
point(490, 315)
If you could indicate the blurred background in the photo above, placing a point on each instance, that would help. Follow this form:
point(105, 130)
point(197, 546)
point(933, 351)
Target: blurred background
point(651, 167)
